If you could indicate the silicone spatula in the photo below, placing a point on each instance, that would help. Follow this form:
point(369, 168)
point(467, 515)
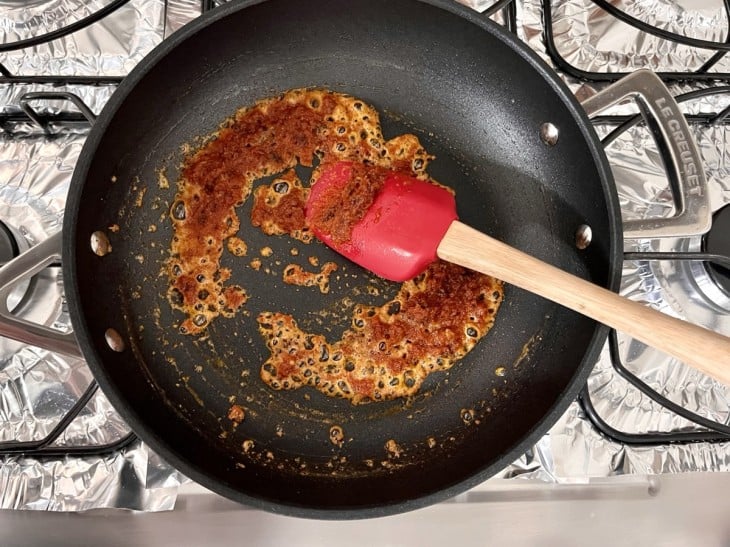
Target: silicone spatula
point(411, 223)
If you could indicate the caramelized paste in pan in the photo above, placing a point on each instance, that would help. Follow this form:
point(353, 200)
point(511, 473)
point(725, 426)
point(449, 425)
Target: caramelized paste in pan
point(339, 209)
point(435, 318)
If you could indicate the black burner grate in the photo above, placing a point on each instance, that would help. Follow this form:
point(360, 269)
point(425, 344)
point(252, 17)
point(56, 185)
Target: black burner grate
point(45, 447)
point(6, 77)
point(701, 74)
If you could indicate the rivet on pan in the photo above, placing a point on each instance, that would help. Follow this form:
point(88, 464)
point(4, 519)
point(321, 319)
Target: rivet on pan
point(583, 236)
point(114, 340)
point(549, 134)
point(100, 243)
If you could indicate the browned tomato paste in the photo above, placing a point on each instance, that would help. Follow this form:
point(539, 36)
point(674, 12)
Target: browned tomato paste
point(279, 208)
point(339, 209)
point(435, 318)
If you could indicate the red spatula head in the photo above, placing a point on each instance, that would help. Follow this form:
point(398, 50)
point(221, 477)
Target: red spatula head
point(398, 221)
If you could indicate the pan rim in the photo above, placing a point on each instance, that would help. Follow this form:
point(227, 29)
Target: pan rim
point(159, 445)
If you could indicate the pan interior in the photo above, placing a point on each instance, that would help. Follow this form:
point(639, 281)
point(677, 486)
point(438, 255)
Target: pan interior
point(474, 103)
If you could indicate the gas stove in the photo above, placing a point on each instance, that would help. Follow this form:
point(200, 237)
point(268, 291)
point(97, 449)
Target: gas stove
point(62, 445)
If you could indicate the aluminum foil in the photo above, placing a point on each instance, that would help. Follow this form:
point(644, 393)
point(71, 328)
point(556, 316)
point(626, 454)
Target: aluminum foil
point(110, 47)
point(580, 454)
point(38, 388)
point(134, 478)
point(180, 12)
point(593, 40)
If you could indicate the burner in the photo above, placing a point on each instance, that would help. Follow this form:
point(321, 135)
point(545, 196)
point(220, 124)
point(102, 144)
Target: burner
point(717, 241)
point(11, 245)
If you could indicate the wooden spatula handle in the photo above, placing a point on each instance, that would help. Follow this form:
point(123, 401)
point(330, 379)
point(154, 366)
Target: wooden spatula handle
point(703, 349)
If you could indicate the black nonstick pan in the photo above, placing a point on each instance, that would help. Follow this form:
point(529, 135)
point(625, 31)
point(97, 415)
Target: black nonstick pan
point(480, 102)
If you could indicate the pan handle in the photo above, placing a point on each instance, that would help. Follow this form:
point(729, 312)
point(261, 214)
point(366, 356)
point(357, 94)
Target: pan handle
point(687, 177)
point(22, 267)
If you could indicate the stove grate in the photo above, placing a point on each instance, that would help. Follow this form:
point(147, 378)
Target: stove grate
point(45, 448)
point(701, 74)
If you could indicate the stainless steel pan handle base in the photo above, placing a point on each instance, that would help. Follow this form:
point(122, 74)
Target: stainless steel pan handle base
point(23, 267)
point(692, 202)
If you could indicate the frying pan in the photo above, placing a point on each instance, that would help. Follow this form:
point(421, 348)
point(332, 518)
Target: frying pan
point(477, 99)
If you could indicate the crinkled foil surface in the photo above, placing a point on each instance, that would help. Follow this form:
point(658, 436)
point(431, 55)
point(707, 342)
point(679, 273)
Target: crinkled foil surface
point(37, 387)
point(593, 40)
point(109, 48)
